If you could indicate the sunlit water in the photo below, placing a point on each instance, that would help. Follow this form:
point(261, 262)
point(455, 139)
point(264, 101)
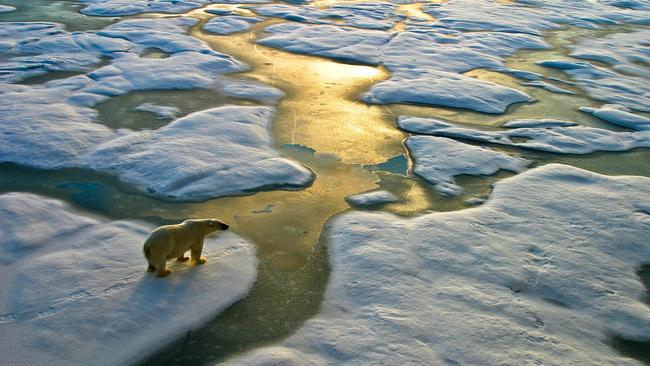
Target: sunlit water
point(351, 147)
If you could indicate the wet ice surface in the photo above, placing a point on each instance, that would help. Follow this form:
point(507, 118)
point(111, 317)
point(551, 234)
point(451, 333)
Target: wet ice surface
point(74, 290)
point(58, 119)
point(558, 139)
point(400, 291)
point(229, 24)
point(439, 159)
point(371, 199)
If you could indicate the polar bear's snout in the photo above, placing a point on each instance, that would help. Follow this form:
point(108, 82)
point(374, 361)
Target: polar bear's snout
point(219, 225)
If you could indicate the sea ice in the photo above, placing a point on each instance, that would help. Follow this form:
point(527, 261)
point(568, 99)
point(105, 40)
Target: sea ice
point(208, 154)
point(561, 140)
point(370, 199)
point(229, 24)
point(445, 89)
point(211, 153)
point(328, 40)
point(543, 272)
point(161, 111)
point(111, 8)
point(619, 115)
point(361, 15)
point(439, 160)
point(74, 287)
point(607, 85)
point(6, 8)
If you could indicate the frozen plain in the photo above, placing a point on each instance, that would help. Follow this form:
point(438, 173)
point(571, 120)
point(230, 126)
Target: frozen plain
point(398, 286)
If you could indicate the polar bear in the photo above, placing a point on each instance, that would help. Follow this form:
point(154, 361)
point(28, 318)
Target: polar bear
point(172, 241)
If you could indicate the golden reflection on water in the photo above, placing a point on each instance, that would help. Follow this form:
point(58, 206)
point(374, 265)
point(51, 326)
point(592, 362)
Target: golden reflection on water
point(320, 109)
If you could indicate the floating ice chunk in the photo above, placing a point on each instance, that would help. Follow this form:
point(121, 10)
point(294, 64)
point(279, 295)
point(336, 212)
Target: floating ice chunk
point(362, 15)
point(607, 85)
point(6, 8)
point(248, 89)
point(523, 74)
point(619, 115)
point(614, 49)
point(77, 290)
point(41, 129)
point(15, 33)
point(548, 86)
point(541, 272)
point(168, 35)
point(216, 152)
point(561, 140)
point(474, 201)
point(439, 160)
point(38, 48)
point(484, 15)
point(370, 199)
point(161, 112)
point(212, 153)
point(420, 52)
point(330, 41)
point(17, 69)
point(539, 123)
point(111, 8)
point(229, 24)
point(446, 89)
point(183, 70)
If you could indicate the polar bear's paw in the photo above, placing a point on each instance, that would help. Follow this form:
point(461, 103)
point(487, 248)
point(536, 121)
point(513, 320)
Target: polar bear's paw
point(164, 273)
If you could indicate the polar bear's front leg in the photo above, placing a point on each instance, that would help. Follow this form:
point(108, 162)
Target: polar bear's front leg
point(197, 248)
point(162, 270)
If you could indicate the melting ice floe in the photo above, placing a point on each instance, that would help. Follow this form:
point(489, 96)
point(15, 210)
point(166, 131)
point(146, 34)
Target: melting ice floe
point(376, 15)
point(6, 8)
point(229, 24)
point(52, 126)
point(133, 7)
point(543, 272)
point(371, 198)
point(211, 153)
point(426, 60)
point(439, 160)
point(556, 139)
point(74, 288)
point(627, 79)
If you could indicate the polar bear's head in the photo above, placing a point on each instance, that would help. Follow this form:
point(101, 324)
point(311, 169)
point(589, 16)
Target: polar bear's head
point(209, 226)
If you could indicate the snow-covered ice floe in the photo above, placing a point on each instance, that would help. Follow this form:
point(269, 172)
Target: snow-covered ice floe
point(6, 8)
point(160, 111)
point(425, 67)
point(439, 160)
point(543, 272)
point(371, 199)
point(229, 24)
point(132, 7)
point(369, 15)
point(619, 115)
point(427, 60)
point(74, 289)
point(212, 153)
point(569, 139)
point(625, 80)
point(216, 152)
